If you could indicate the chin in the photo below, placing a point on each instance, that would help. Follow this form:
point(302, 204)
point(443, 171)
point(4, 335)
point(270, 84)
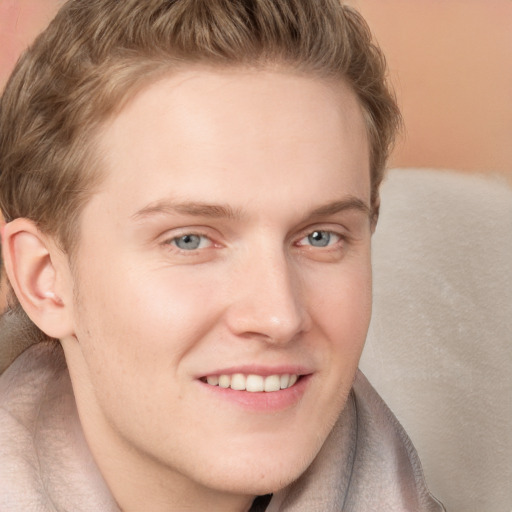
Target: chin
point(262, 463)
point(259, 475)
point(259, 482)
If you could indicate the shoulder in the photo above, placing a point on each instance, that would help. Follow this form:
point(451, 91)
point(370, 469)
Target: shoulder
point(45, 461)
point(386, 463)
point(24, 387)
point(28, 380)
point(367, 463)
point(17, 333)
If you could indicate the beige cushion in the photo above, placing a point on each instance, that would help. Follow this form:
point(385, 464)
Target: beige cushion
point(439, 349)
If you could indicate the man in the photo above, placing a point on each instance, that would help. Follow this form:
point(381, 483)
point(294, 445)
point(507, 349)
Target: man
point(190, 189)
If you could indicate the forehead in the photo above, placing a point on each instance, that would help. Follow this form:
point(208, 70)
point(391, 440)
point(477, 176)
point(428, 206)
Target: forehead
point(208, 132)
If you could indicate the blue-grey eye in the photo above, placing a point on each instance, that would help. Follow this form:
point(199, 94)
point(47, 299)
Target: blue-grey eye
point(319, 238)
point(188, 242)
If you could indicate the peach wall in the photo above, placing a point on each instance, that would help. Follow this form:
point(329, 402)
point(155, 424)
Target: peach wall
point(20, 21)
point(450, 61)
point(451, 64)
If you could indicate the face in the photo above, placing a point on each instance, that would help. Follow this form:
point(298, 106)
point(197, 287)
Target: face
point(222, 283)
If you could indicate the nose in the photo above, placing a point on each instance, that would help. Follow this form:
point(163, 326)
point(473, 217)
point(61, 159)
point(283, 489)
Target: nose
point(268, 300)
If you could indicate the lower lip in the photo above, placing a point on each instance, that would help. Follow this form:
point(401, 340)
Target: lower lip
point(262, 401)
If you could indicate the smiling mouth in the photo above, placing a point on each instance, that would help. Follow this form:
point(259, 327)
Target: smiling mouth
point(252, 383)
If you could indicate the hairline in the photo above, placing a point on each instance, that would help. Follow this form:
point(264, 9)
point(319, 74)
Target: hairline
point(163, 70)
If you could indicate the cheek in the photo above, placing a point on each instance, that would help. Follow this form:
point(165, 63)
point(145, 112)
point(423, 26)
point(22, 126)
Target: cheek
point(342, 313)
point(147, 315)
point(345, 299)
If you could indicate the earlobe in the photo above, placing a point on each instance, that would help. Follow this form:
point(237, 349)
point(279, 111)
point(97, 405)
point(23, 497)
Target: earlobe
point(35, 268)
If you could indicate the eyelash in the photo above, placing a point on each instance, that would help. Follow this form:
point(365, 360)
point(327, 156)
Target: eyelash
point(331, 234)
point(330, 244)
point(173, 241)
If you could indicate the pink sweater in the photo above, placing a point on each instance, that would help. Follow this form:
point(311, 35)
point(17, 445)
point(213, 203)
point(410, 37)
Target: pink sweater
point(367, 463)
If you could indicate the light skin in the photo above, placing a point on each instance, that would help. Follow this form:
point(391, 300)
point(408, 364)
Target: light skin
point(231, 235)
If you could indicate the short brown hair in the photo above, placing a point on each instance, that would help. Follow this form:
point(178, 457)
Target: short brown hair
point(97, 52)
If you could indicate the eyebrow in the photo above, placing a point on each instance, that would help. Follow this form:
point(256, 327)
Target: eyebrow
point(347, 203)
point(199, 209)
point(191, 208)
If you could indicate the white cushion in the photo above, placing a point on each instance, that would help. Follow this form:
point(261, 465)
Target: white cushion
point(439, 350)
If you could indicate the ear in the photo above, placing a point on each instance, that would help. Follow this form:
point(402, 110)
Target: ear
point(39, 274)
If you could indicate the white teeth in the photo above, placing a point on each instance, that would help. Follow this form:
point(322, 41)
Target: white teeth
point(238, 382)
point(213, 380)
point(253, 383)
point(224, 381)
point(272, 383)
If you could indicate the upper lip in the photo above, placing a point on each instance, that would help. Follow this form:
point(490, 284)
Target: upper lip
point(263, 370)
